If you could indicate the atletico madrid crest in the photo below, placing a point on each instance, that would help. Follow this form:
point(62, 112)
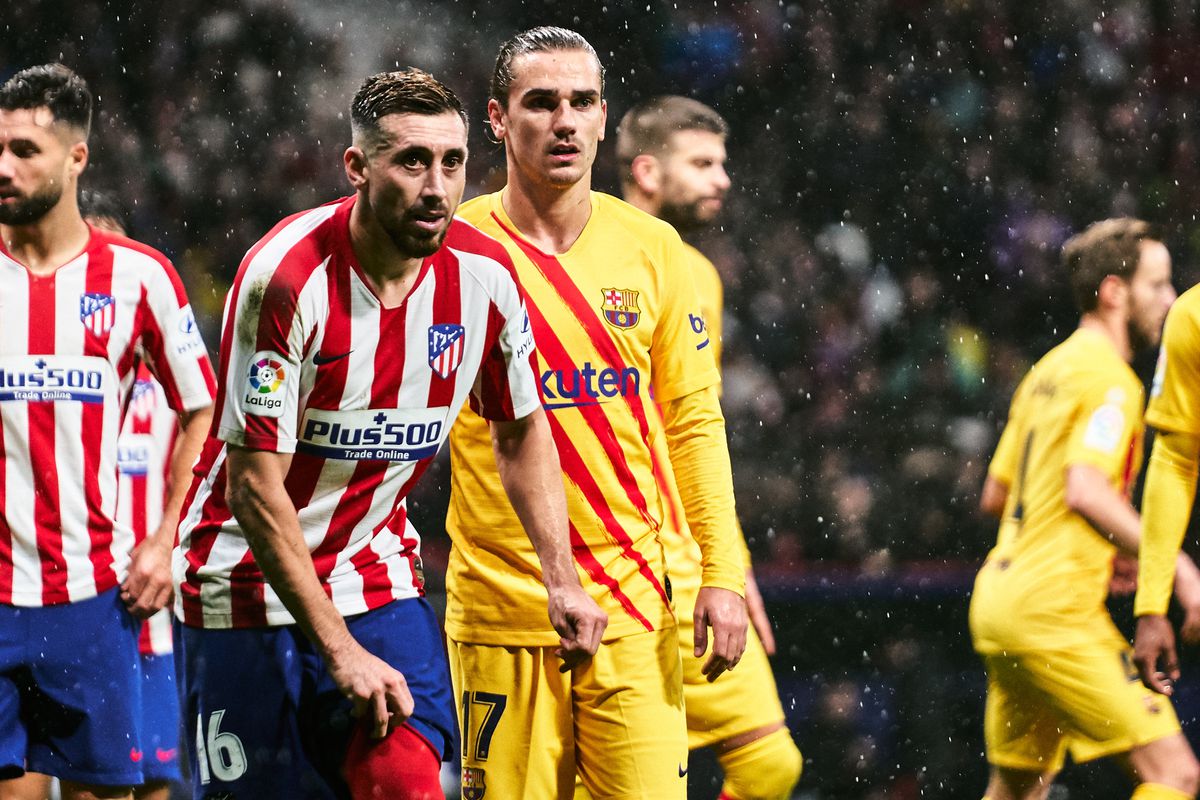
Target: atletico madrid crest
point(620, 308)
point(446, 348)
point(97, 312)
point(143, 400)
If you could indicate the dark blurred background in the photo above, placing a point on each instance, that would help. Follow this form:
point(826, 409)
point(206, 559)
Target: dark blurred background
point(904, 175)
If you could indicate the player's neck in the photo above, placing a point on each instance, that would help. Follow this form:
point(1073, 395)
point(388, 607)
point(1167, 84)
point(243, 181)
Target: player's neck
point(1115, 330)
point(52, 241)
point(390, 272)
point(550, 218)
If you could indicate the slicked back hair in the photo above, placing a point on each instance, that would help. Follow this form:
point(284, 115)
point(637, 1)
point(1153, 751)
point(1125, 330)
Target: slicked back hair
point(406, 91)
point(51, 86)
point(1108, 247)
point(648, 126)
point(544, 39)
point(95, 204)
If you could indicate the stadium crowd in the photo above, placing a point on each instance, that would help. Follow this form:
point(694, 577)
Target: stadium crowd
point(904, 175)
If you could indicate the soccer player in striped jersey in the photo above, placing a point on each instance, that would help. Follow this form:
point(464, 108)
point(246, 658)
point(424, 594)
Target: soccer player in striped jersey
point(353, 335)
point(1060, 674)
point(672, 155)
point(80, 306)
point(613, 306)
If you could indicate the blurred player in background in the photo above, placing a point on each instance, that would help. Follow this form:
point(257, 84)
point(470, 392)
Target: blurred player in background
point(611, 296)
point(1060, 675)
point(354, 333)
point(672, 155)
point(81, 306)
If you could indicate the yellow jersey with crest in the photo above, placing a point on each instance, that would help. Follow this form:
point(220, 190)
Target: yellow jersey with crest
point(1044, 584)
point(613, 316)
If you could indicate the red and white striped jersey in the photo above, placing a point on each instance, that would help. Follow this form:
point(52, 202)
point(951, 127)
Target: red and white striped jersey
point(144, 469)
point(69, 345)
point(364, 396)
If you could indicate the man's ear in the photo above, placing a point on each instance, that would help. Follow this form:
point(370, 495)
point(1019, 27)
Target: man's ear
point(647, 174)
point(356, 166)
point(1112, 291)
point(496, 119)
point(79, 158)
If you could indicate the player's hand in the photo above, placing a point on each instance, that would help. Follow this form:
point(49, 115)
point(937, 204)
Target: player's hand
point(725, 612)
point(1155, 642)
point(1124, 575)
point(580, 624)
point(148, 588)
point(758, 614)
point(377, 691)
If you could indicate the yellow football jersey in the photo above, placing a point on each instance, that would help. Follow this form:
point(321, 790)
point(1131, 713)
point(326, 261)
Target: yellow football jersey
point(614, 315)
point(1175, 392)
point(1044, 584)
point(712, 295)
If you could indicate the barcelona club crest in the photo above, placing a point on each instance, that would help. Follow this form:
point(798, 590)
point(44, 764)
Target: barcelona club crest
point(473, 783)
point(446, 348)
point(620, 308)
point(97, 312)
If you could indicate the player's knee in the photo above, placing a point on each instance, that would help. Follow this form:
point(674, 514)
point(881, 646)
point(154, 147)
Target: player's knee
point(767, 768)
point(401, 766)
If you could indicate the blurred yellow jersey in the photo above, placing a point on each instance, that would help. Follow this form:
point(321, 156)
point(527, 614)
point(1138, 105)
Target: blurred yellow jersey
point(1175, 392)
point(712, 295)
point(1044, 584)
point(614, 315)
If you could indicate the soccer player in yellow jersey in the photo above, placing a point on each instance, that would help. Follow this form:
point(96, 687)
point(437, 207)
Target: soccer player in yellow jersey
point(1060, 675)
point(1170, 491)
point(672, 155)
point(613, 308)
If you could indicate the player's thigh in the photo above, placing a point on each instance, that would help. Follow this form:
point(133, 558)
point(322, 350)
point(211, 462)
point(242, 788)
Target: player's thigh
point(1096, 690)
point(514, 710)
point(1022, 729)
point(743, 699)
point(241, 693)
point(630, 728)
point(406, 634)
point(84, 722)
point(160, 719)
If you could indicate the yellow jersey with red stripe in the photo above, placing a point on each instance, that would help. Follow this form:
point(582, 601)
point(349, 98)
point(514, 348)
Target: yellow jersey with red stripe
point(614, 315)
point(1044, 584)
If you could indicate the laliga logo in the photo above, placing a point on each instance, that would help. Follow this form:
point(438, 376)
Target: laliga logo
point(266, 375)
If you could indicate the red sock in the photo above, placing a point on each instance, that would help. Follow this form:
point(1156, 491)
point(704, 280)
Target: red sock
point(401, 766)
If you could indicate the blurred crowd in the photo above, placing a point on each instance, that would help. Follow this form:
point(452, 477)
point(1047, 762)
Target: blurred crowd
point(904, 174)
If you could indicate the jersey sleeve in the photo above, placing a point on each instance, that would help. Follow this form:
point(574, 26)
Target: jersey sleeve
point(1106, 427)
point(268, 323)
point(506, 388)
point(681, 355)
point(1005, 461)
point(1166, 509)
point(1174, 399)
point(171, 342)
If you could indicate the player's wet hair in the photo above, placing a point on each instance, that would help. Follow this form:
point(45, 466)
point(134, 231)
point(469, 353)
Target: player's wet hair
point(97, 205)
point(51, 86)
point(648, 126)
point(405, 91)
point(1108, 247)
point(544, 39)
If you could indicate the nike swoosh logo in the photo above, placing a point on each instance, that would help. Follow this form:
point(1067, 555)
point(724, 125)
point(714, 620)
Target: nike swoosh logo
point(319, 359)
point(682, 770)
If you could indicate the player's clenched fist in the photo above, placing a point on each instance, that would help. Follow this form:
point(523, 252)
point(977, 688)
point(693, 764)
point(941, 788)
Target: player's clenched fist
point(725, 612)
point(579, 621)
point(1155, 642)
point(374, 687)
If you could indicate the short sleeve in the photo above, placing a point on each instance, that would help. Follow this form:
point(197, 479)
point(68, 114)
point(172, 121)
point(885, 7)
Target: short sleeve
point(506, 388)
point(681, 354)
point(1174, 399)
point(171, 341)
point(1106, 426)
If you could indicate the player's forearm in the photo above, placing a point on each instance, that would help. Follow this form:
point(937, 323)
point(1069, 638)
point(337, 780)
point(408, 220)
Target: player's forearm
point(193, 427)
point(268, 519)
point(695, 432)
point(1166, 508)
point(1089, 494)
point(527, 461)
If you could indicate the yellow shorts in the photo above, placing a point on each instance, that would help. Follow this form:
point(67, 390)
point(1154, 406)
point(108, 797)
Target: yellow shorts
point(527, 728)
point(741, 700)
point(1087, 700)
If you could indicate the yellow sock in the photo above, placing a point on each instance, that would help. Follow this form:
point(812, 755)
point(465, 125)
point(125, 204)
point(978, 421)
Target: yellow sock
point(1156, 791)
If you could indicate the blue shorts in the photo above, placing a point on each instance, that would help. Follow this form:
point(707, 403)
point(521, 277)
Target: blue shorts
point(160, 720)
point(264, 718)
point(70, 704)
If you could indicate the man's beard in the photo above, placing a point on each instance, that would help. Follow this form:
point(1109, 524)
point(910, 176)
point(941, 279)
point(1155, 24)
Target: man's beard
point(1138, 339)
point(32, 208)
point(416, 244)
point(684, 217)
